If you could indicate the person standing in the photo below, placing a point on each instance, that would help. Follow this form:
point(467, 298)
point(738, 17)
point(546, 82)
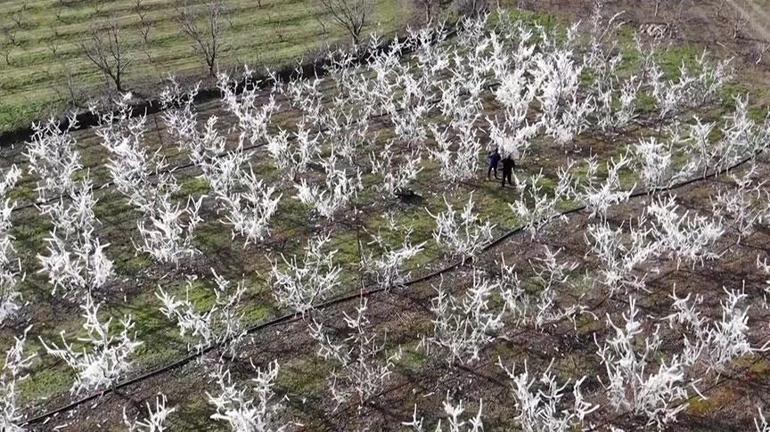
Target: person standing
point(494, 159)
point(508, 166)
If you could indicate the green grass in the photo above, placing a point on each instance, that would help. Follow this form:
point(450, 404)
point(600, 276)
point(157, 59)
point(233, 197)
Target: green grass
point(34, 84)
point(47, 381)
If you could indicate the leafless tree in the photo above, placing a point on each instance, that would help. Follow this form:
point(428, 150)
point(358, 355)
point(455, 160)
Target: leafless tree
point(71, 91)
point(8, 43)
point(471, 7)
point(720, 8)
point(9, 37)
point(145, 24)
point(18, 17)
point(350, 15)
point(74, 92)
point(107, 50)
point(740, 23)
point(430, 7)
point(60, 5)
point(207, 39)
point(52, 41)
point(98, 7)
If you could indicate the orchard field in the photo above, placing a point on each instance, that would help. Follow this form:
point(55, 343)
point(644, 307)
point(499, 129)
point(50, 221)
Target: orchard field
point(43, 68)
point(327, 253)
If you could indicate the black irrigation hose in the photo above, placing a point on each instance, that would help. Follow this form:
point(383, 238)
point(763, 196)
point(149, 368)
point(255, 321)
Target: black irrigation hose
point(291, 317)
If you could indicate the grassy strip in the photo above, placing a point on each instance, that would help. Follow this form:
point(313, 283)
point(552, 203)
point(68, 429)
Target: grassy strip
point(34, 85)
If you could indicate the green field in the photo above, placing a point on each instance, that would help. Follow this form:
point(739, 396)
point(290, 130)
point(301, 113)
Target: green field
point(47, 58)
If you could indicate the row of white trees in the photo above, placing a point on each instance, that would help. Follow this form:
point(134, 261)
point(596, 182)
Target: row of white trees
point(10, 266)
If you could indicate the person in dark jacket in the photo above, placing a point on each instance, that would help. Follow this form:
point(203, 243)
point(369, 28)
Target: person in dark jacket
point(508, 166)
point(494, 159)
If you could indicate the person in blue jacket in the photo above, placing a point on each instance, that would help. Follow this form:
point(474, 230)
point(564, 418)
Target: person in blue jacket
point(494, 159)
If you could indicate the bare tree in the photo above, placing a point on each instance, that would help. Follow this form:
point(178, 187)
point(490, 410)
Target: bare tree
point(8, 43)
point(145, 24)
point(146, 27)
point(430, 8)
point(18, 18)
point(98, 8)
point(740, 23)
point(720, 8)
point(60, 5)
point(351, 15)
point(71, 92)
point(471, 7)
point(760, 49)
point(207, 39)
point(108, 52)
point(52, 41)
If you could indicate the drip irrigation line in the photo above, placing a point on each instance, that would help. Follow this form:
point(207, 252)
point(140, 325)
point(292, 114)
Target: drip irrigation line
point(292, 317)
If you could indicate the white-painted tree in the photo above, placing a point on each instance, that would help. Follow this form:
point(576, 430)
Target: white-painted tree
point(463, 325)
point(544, 408)
point(155, 420)
point(455, 421)
point(11, 375)
point(53, 158)
point(221, 324)
point(461, 233)
point(631, 387)
point(10, 265)
point(387, 267)
point(362, 364)
point(105, 356)
point(248, 408)
point(299, 285)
